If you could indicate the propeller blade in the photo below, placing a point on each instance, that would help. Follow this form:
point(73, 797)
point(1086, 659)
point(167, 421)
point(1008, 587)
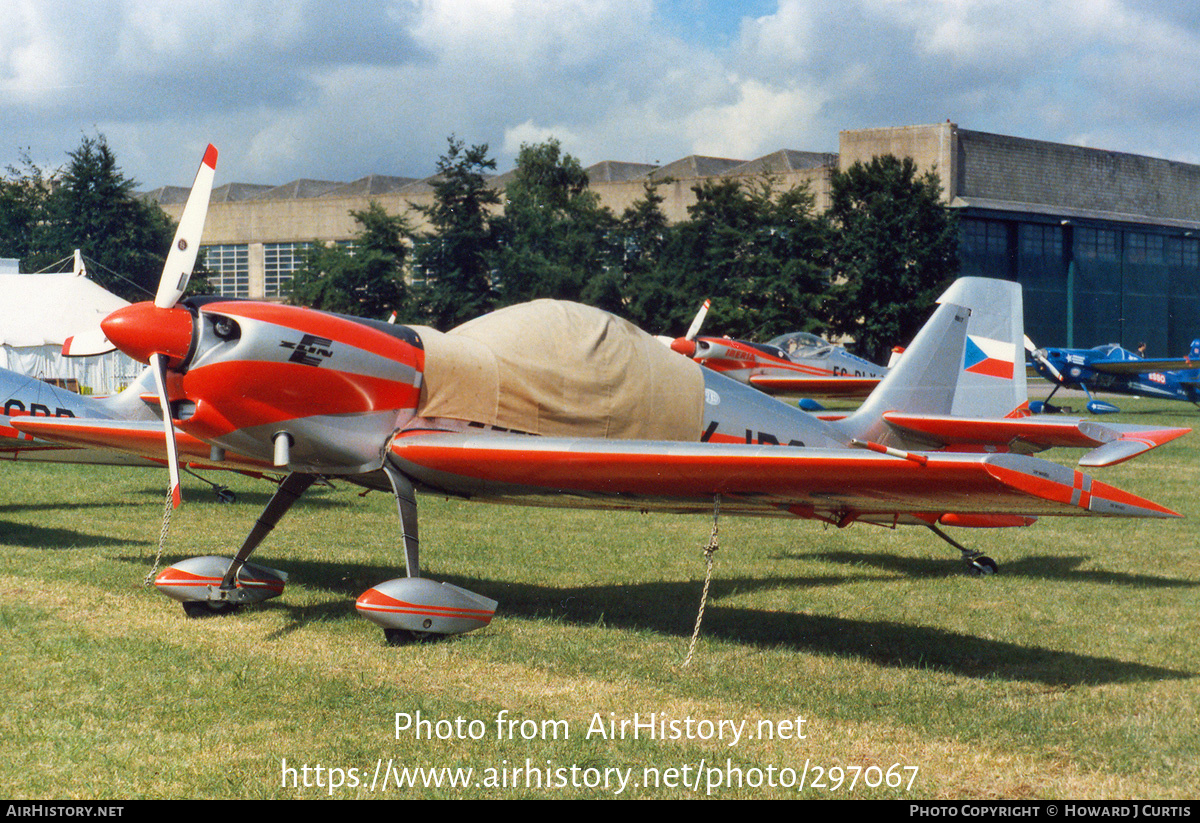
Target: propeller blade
point(694, 329)
point(86, 344)
point(182, 257)
point(1040, 356)
point(159, 364)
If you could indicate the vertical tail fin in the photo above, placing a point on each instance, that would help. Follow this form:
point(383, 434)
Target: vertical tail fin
point(992, 380)
point(967, 361)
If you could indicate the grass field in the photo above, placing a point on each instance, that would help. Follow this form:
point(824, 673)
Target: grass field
point(878, 668)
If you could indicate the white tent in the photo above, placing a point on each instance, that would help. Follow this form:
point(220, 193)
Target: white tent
point(38, 312)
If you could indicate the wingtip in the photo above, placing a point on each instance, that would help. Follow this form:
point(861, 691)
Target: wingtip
point(210, 156)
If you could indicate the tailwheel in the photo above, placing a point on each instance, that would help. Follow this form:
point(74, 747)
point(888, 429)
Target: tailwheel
point(223, 493)
point(978, 563)
point(981, 565)
point(197, 609)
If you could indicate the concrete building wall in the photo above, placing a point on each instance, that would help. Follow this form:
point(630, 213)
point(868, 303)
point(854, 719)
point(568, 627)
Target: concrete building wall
point(1014, 169)
point(932, 147)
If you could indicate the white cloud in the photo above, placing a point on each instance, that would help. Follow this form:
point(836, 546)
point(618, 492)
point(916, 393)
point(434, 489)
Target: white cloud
point(291, 88)
point(763, 119)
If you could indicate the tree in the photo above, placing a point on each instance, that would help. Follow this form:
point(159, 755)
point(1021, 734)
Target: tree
point(456, 257)
point(629, 285)
point(554, 232)
point(757, 253)
point(91, 206)
point(23, 195)
point(365, 279)
point(896, 249)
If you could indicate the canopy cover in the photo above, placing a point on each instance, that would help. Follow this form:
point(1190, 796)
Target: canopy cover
point(561, 369)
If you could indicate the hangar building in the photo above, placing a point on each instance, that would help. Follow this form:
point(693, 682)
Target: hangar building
point(1105, 244)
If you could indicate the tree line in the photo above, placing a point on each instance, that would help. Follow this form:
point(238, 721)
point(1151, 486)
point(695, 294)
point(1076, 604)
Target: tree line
point(868, 268)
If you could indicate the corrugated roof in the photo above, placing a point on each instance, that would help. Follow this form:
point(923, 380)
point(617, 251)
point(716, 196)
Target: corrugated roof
point(425, 185)
point(695, 165)
point(233, 192)
point(786, 160)
point(299, 190)
point(370, 185)
point(616, 171)
point(166, 195)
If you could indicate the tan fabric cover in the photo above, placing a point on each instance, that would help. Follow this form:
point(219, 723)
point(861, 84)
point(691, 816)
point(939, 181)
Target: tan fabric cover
point(561, 369)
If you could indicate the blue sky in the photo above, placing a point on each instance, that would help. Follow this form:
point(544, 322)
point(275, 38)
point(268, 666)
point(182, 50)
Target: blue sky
point(308, 88)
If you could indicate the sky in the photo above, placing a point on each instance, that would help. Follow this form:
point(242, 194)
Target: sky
point(290, 89)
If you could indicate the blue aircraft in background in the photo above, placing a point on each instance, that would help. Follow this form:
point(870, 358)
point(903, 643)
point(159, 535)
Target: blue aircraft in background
point(1111, 368)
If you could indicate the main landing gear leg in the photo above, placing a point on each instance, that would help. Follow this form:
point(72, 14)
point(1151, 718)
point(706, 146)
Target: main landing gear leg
point(978, 563)
point(1044, 406)
point(289, 491)
point(217, 585)
point(415, 607)
point(406, 506)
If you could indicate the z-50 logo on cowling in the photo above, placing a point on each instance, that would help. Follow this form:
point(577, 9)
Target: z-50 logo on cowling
point(308, 351)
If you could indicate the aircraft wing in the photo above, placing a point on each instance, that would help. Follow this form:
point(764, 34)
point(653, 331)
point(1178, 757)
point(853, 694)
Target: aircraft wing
point(146, 438)
point(815, 386)
point(1110, 443)
point(829, 484)
point(1142, 366)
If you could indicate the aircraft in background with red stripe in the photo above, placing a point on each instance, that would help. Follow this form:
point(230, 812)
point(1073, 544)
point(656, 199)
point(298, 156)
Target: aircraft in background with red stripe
point(553, 403)
point(798, 363)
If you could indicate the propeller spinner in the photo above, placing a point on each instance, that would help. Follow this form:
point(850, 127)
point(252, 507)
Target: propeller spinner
point(686, 345)
point(1039, 356)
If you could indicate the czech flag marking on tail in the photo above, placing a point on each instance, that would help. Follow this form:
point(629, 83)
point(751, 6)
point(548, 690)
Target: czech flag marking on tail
point(993, 358)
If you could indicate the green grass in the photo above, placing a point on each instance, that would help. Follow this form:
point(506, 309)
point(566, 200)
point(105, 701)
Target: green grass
point(1071, 674)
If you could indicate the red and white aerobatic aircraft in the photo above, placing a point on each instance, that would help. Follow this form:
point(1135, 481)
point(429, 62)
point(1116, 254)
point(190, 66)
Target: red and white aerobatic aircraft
point(560, 404)
point(796, 363)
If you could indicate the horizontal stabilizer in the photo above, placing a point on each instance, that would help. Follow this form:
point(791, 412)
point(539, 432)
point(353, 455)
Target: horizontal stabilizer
point(1115, 452)
point(1110, 443)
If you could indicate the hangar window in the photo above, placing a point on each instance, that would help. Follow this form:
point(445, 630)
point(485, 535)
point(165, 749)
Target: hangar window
point(228, 269)
point(280, 261)
point(1041, 241)
point(1143, 248)
point(1190, 252)
point(1096, 244)
point(984, 237)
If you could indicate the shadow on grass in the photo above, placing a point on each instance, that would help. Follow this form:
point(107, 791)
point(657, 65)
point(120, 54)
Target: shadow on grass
point(670, 608)
point(59, 505)
point(1034, 568)
point(253, 500)
point(26, 536)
